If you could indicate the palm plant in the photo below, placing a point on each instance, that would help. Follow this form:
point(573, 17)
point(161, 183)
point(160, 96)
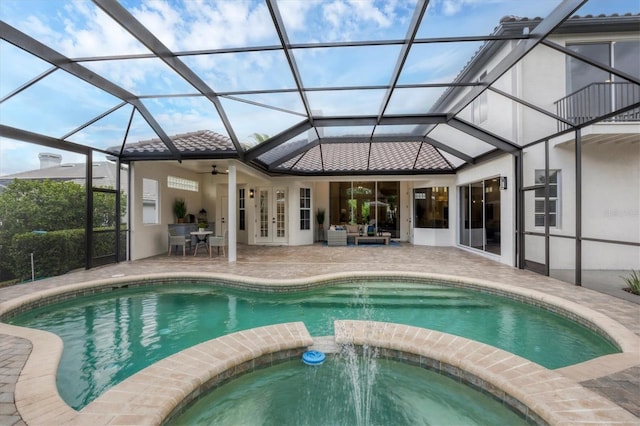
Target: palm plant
point(633, 281)
point(179, 209)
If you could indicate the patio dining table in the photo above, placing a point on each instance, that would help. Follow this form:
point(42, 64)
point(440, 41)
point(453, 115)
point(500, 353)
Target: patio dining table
point(202, 239)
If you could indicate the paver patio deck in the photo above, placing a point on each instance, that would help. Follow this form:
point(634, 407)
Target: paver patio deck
point(617, 380)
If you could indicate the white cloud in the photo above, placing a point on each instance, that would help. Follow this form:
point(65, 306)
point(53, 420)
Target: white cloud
point(294, 13)
point(367, 11)
point(347, 19)
point(161, 19)
point(453, 7)
point(196, 25)
point(80, 30)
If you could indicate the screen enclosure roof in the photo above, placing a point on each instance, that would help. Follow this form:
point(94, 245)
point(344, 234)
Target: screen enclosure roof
point(286, 86)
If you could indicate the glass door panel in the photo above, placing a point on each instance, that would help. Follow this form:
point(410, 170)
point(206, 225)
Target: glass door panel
point(476, 236)
point(263, 215)
point(387, 208)
point(465, 213)
point(281, 214)
point(492, 215)
point(480, 219)
point(272, 215)
point(363, 196)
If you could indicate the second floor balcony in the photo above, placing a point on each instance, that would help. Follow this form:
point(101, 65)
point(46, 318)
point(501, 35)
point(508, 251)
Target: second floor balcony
point(599, 100)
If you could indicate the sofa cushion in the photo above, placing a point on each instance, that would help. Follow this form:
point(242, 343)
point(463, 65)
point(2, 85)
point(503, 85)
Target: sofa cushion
point(352, 229)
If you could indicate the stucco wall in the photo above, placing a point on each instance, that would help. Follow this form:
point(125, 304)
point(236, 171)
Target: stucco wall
point(151, 239)
point(432, 236)
point(501, 166)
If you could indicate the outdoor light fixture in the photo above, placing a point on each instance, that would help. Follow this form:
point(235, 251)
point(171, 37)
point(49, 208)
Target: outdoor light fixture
point(251, 193)
point(503, 182)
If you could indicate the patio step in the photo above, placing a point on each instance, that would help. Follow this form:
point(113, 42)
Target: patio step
point(404, 293)
point(401, 302)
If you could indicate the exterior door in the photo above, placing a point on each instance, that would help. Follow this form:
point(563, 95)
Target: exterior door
point(224, 215)
point(272, 215)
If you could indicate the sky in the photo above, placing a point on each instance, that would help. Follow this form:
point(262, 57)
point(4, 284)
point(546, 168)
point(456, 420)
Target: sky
point(59, 103)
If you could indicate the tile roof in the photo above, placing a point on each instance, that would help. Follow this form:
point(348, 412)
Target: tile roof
point(199, 141)
point(104, 174)
point(365, 157)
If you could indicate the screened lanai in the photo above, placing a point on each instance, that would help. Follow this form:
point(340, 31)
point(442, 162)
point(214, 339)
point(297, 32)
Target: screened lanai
point(316, 89)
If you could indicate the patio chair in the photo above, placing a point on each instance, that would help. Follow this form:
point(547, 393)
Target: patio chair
point(218, 241)
point(178, 240)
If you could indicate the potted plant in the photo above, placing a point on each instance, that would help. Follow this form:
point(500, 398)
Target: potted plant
point(179, 209)
point(202, 219)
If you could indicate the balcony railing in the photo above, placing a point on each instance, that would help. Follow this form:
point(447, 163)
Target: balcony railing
point(597, 100)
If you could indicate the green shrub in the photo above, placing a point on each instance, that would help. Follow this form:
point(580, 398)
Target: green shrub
point(54, 253)
point(633, 281)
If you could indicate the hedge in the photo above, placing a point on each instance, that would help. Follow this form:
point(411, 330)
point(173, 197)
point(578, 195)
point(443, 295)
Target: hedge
point(54, 252)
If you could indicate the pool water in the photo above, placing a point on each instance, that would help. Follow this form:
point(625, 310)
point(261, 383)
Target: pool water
point(297, 395)
point(111, 336)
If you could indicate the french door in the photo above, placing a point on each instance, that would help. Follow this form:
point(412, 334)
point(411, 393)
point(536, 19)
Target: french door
point(272, 215)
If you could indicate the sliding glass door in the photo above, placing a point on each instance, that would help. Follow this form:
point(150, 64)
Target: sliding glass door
point(480, 215)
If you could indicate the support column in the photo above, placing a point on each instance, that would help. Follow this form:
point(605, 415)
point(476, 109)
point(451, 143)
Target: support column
point(519, 184)
point(578, 153)
point(231, 215)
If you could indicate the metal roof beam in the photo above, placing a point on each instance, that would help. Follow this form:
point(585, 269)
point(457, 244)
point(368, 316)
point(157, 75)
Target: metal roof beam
point(45, 53)
point(600, 65)
point(449, 150)
point(560, 14)
point(48, 141)
point(368, 139)
point(418, 13)
point(122, 16)
point(280, 138)
point(28, 84)
point(286, 45)
point(371, 120)
point(293, 154)
point(93, 120)
point(483, 135)
point(34, 47)
point(532, 106)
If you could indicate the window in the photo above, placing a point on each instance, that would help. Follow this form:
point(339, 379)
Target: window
point(371, 203)
point(593, 92)
point(149, 201)
point(554, 198)
point(180, 183)
point(305, 208)
point(241, 210)
point(431, 207)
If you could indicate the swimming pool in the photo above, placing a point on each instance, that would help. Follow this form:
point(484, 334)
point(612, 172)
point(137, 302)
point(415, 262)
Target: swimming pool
point(111, 336)
point(295, 394)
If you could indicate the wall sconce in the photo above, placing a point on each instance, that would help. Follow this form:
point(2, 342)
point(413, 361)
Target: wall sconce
point(503, 182)
point(251, 193)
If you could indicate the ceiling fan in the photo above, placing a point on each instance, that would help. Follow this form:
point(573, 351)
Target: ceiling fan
point(215, 171)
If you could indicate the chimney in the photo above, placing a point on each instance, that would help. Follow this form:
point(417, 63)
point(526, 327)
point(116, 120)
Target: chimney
point(49, 160)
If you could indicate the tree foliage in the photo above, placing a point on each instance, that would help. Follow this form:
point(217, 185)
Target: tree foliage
point(52, 206)
point(27, 205)
point(48, 205)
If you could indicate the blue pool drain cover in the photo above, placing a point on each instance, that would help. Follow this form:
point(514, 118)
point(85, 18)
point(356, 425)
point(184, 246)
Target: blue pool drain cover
point(313, 357)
